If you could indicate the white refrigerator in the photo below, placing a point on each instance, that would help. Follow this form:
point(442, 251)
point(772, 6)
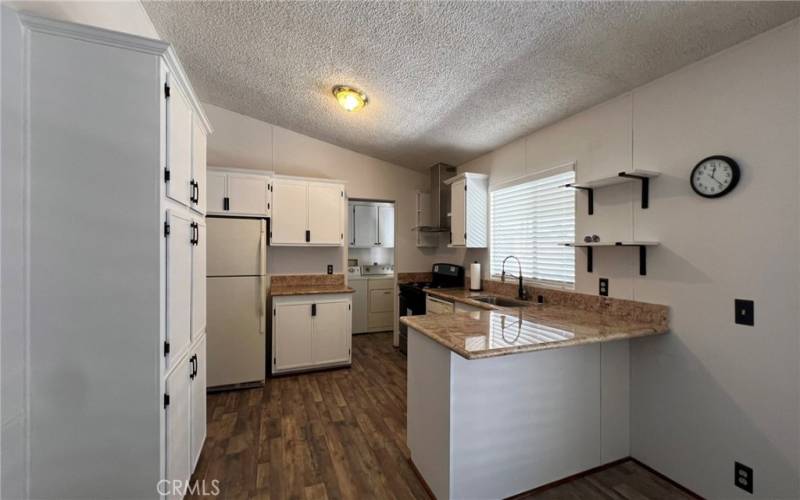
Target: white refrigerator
point(237, 300)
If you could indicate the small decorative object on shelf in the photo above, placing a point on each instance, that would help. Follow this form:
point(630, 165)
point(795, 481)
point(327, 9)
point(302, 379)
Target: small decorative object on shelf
point(715, 176)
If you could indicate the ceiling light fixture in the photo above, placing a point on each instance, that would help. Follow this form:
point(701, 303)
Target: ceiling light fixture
point(351, 99)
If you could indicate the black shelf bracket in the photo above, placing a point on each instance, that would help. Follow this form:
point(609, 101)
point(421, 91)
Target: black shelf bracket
point(589, 259)
point(642, 257)
point(590, 193)
point(643, 260)
point(645, 187)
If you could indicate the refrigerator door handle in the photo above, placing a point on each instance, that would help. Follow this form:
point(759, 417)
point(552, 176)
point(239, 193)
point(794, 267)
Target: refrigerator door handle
point(262, 283)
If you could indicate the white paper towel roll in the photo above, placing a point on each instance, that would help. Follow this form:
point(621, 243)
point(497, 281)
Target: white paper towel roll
point(475, 276)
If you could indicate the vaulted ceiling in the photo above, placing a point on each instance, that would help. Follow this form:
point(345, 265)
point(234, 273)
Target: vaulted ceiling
point(447, 81)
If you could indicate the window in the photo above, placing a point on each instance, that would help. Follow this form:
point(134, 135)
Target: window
point(529, 218)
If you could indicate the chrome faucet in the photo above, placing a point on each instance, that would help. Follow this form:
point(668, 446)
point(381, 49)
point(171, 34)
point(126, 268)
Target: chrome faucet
point(522, 294)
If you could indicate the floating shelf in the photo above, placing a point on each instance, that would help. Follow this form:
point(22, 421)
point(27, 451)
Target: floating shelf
point(621, 178)
point(631, 243)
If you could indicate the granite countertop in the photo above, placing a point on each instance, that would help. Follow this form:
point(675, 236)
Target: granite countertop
point(499, 331)
point(306, 289)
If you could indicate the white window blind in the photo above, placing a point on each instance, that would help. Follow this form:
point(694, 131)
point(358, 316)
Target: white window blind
point(529, 220)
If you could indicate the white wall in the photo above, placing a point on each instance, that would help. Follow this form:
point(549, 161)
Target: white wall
point(710, 392)
point(243, 142)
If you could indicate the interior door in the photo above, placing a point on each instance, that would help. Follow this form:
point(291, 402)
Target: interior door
point(289, 212)
point(177, 415)
point(199, 164)
point(292, 336)
point(235, 332)
point(386, 225)
point(235, 247)
point(247, 194)
point(198, 402)
point(179, 145)
point(179, 285)
point(330, 340)
point(366, 226)
point(199, 281)
point(325, 207)
point(458, 221)
point(216, 191)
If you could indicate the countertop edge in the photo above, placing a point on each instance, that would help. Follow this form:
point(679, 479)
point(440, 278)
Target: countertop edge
point(310, 291)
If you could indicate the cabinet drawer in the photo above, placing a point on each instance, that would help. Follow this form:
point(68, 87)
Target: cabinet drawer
point(381, 284)
point(381, 301)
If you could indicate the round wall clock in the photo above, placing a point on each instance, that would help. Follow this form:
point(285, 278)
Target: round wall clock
point(715, 176)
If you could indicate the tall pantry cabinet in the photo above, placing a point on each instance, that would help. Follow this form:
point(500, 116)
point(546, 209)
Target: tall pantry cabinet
point(111, 173)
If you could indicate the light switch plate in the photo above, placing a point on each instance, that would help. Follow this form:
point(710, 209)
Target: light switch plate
point(603, 289)
point(330, 268)
point(745, 312)
point(743, 477)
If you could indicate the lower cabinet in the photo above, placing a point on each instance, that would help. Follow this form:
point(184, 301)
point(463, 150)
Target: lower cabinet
point(185, 413)
point(311, 331)
point(381, 304)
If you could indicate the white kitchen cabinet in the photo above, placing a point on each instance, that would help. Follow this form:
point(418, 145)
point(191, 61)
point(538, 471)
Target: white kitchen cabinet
point(216, 191)
point(469, 210)
point(366, 225)
point(435, 305)
point(307, 213)
point(373, 225)
point(178, 175)
point(325, 207)
point(177, 409)
point(381, 304)
point(360, 305)
point(198, 184)
point(386, 226)
point(197, 424)
point(117, 284)
point(239, 192)
point(179, 233)
point(199, 280)
point(311, 331)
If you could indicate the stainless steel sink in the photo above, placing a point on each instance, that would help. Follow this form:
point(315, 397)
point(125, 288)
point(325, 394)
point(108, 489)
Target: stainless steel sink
point(502, 301)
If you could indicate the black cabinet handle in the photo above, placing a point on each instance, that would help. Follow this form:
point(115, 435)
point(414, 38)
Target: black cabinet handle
point(197, 192)
point(191, 361)
point(308, 235)
point(226, 203)
point(313, 309)
point(195, 239)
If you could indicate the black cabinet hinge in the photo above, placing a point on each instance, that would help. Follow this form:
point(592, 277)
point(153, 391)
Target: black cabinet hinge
point(166, 90)
point(308, 235)
point(313, 309)
point(267, 206)
point(348, 307)
point(166, 348)
point(226, 203)
point(269, 187)
point(465, 236)
point(274, 361)
point(342, 194)
point(166, 400)
point(270, 235)
point(166, 174)
point(274, 312)
point(166, 229)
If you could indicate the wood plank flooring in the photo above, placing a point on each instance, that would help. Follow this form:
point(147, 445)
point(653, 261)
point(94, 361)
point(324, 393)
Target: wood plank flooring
point(341, 434)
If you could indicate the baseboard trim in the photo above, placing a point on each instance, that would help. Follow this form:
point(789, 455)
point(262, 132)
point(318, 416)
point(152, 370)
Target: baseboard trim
point(421, 479)
point(667, 479)
point(567, 479)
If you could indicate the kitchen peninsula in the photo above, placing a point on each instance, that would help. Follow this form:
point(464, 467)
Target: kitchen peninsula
point(504, 400)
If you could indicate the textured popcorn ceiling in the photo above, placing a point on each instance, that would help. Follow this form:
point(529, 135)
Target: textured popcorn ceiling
point(447, 81)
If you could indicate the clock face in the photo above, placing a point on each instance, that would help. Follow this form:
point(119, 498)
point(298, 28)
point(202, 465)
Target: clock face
point(715, 176)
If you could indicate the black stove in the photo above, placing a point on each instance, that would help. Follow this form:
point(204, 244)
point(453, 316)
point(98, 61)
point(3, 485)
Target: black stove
point(412, 295)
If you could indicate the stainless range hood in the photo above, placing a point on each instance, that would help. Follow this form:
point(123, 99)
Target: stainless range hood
point(440, 199)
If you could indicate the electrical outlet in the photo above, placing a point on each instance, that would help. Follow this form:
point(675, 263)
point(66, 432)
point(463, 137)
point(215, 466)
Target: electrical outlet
point(330, 268)
point(743, 477)
point(745, 314)
point(604, 287)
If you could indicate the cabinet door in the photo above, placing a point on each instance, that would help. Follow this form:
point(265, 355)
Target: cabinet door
point(330, 342)
point(177, 428)
point(325, 207)
point(199, 165)
point(360, 305)
point(199, 281)
point(216, 191)
point(179, 285)
point(289, 212)
point(381, 301)
point(292, 332)
point(386, 226)
point(247, 194)
point(366, 226)
point(179, 146)
point(198, 402)
point(458, 221)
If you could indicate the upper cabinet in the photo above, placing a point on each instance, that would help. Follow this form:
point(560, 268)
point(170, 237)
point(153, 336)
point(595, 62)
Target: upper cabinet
point(178, 173)
point(469, 205)
point(371, 225)
point(239, 192)
point(307, 213)
point(198, 184)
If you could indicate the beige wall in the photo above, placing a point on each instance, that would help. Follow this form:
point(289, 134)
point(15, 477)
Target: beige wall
point(243, 142)
point(710, 392)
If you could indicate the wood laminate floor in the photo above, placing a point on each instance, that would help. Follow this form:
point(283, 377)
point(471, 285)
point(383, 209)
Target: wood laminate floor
point(341, 434)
